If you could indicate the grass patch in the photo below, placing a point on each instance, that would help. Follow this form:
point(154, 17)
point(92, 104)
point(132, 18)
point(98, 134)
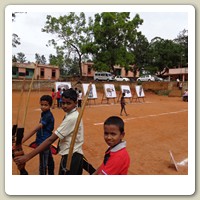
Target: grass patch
point(162, 92)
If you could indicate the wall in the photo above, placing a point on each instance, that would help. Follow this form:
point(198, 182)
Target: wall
point(44, 85)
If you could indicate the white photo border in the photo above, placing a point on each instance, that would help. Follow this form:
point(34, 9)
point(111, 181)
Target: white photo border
point(95, 185)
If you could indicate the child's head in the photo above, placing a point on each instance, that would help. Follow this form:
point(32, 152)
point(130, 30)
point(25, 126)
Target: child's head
point(123, 94)
point(69, 100)
point(113, 130)
point(70, 94)
point(46, 102)
point(53, 90)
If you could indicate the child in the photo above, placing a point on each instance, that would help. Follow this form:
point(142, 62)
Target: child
point(53, 95)
point(79, 99)
point(64, 133)
point(58, 96)
point(180, 85)
point(44, 130)
point(61, 92)
point(123, 103)
point(116, 159)
point(185, 95)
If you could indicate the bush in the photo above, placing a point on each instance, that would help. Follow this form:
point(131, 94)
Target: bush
point(162, 92)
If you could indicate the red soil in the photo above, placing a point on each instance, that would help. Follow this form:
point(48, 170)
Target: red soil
point(153, 128)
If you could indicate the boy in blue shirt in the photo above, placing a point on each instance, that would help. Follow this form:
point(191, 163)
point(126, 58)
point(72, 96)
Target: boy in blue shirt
point(44, 130)
point(64, 133)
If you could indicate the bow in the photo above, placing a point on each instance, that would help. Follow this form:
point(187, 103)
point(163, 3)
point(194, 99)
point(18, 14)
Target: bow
point(14, 128)
point(17, 147)
point(76, 129)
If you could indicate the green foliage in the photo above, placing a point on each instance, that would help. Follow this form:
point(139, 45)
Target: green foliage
point(112, 38)
point(14, 59)
point(40, 59)
point(15, 40)
point(15, 37)
point(182, 40)
point(21, 57)
point(139, 48)
point(163, 54)
point(71, 33)
point(162, 92)
point(113, 32)
point(58, 61)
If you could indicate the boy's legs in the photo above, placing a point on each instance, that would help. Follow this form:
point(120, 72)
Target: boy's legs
point(122, 108)
point(76, 165)
point(79, 103)
point(125, 111)
point(50, 164)
point(58, 103)
point(43, 162)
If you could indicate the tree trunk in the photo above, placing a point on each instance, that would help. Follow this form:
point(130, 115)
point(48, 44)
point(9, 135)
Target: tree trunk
point(80, 68)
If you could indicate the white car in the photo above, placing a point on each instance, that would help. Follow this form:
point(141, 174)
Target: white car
point(120, 78)
point(146, 78)
point(103, 76)
point(158, 78)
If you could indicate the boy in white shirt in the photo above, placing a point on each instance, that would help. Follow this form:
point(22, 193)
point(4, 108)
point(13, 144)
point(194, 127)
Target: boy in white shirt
point(64, 133)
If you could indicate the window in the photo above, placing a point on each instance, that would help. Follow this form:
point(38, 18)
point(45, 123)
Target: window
point(14, 71)
point(21, 73)
point(42, 72)
point(89, 69)
point(27, 73)
point(53, 74)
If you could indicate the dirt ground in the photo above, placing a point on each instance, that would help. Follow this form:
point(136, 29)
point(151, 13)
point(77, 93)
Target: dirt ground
point(154, 127)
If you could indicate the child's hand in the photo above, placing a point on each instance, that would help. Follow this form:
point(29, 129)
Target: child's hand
point(19, 160)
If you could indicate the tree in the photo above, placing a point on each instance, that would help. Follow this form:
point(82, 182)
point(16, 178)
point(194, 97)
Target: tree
point(21, 57)
point(72, 66)
point(113, 33)
point(15, 38)
point(139, 48)
point(163, 54)
point(58, 61)
point(40, 59)
point(14, 59)
point(71, 33)
point(182, 40)
point(67, 65)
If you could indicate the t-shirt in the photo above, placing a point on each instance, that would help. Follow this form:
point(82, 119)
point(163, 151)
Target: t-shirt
point(53, 94)
point(117, 161)
point(65, 131)
point(80, 96)
point(47, 120)
point(58, 95)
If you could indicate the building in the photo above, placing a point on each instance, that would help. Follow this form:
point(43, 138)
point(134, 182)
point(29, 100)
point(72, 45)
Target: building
point(171, 74)
point(42, 72)
point(88, 71)
point(177, 73)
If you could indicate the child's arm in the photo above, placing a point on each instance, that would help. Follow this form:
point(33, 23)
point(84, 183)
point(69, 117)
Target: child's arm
point(22, 159)
point(26, 137)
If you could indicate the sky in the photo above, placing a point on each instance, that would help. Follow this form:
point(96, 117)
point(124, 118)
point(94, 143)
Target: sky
point(27, 26)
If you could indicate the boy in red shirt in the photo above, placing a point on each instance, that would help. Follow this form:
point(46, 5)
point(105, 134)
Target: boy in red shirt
point(58, 96)
point(116, 159)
